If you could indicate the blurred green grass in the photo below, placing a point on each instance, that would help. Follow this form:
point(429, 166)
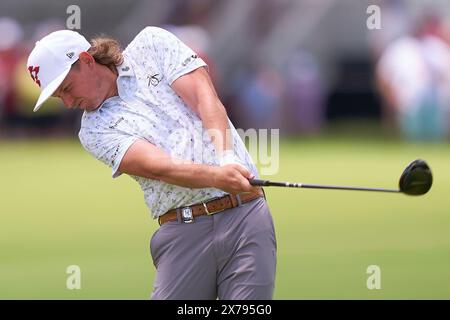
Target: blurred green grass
point(60, 207)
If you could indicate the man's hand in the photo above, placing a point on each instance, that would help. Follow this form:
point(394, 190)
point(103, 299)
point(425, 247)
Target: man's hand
point(233, 178)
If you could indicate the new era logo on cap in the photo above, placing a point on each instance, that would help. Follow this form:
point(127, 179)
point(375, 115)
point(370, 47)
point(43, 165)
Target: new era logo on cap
point(48, 64)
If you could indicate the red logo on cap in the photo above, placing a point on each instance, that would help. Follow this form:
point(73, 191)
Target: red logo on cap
point(34, 74)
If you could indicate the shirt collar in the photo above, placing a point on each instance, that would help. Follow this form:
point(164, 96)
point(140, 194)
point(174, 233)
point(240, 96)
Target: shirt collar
point(125, 69)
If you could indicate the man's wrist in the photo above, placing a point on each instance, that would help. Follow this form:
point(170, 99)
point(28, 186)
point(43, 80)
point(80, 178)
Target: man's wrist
point(227, 157)
point(213, 175)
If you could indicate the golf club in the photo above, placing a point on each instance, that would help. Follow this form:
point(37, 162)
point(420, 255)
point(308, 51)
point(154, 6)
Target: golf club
point(415, 180)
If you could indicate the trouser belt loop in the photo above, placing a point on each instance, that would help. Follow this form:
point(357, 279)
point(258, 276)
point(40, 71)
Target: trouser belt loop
point(238, 198)
point(233, 200)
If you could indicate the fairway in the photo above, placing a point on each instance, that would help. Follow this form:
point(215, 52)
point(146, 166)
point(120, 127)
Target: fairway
point(60, 207)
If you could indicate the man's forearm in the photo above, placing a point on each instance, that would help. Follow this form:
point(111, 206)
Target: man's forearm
point(231, 178)
point(143, 159)
point(189, 175)
point(197, 91)
point(215, 120)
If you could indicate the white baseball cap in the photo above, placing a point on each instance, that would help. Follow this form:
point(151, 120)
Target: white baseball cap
point(51, 60)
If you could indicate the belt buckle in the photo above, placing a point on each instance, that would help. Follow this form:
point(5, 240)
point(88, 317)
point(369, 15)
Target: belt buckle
point(206, 207)
point(186, 215)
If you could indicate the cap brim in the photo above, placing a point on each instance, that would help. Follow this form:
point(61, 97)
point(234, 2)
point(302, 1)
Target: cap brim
point(50, 89)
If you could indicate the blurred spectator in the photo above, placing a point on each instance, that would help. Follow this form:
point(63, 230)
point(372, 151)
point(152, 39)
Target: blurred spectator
point(21, 120)
point(259, 97)
point(11, 50)
point(198, 39)
point(395, 23)
point(413, 75)
point(304, 97)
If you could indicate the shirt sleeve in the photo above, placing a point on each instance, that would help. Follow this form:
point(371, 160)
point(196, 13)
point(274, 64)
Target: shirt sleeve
point(107, 146)
point(173, 56)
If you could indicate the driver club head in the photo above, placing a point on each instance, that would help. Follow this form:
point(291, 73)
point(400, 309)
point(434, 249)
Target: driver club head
point(416, 179)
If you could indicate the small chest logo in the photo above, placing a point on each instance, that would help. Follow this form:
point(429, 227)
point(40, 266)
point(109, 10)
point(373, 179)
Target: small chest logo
point(70, 55)
point(154, 80)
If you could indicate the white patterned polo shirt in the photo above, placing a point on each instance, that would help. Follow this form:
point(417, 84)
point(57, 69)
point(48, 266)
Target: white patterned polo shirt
point(147, 108)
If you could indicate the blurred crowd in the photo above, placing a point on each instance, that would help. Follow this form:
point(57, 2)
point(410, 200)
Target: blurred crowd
point(405, 74)
point(18, 94)
point(413, 77)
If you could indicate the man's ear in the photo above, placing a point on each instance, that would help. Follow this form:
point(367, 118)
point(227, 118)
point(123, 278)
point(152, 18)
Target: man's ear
point(87, 59)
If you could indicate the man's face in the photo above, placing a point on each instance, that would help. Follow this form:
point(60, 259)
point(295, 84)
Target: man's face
point(81, 88)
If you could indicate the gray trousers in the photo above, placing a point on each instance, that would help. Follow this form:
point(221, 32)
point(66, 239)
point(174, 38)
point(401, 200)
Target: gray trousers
point(230, 255)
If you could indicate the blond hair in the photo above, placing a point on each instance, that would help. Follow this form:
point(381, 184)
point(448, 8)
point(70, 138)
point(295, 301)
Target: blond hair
point(106, 51)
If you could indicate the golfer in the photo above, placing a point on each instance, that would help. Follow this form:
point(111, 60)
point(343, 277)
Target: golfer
point(151, 112)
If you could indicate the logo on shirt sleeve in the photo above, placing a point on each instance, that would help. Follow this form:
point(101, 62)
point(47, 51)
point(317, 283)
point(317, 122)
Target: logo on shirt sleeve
point(189, 59)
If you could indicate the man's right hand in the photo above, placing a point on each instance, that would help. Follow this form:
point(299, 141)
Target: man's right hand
point(233, 178)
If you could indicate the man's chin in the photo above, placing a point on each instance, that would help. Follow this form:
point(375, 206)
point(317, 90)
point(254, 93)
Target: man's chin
point(90, 108)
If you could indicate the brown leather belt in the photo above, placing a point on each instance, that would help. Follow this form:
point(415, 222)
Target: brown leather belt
point(213, 206)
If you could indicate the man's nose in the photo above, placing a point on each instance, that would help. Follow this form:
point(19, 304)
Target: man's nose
point(68, 101)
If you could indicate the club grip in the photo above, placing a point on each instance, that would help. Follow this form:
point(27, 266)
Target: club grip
point(258, 182)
